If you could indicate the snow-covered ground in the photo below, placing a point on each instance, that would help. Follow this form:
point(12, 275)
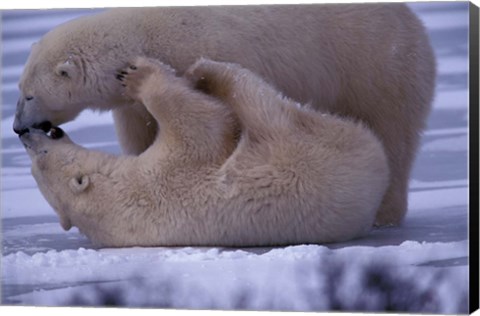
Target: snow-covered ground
point(421, 266)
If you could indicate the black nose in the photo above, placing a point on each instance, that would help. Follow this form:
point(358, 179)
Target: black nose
point(20, 132)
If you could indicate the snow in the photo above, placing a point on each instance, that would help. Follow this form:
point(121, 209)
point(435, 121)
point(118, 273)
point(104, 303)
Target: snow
point(446, 131)
point(451, 99)
point(453, 65)
point(13, 71)
point(190, 270)
point(421, 266)
point(457, 143)
point(446, 20)
point(42, 22)
point(15, 203)
point(438, 198)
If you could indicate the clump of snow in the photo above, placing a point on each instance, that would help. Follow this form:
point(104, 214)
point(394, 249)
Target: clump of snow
point(301, 278)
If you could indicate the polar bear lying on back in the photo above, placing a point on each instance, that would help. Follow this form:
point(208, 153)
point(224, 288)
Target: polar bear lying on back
point(292, 176)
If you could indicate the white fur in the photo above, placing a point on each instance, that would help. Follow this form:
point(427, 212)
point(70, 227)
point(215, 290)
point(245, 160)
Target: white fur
point(339, 58)
point(293, 176)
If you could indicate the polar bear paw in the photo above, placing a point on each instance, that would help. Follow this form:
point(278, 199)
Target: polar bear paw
point(215, 78)
point(139, 73)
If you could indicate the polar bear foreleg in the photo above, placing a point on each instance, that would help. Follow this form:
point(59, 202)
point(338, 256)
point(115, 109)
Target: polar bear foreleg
point(260, 109)
point(190, 121)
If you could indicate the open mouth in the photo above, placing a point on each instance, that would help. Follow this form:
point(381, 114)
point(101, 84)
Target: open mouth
point(55, 132)
point(44, 126)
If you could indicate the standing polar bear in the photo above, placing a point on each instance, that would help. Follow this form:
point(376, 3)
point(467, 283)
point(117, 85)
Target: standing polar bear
point(293, 176)
point(368, 62)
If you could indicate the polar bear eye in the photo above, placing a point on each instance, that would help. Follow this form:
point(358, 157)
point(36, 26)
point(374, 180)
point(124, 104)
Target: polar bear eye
point(63, 73)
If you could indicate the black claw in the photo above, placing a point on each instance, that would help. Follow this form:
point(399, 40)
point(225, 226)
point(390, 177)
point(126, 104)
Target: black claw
point(124, 72)
point(133, 67)
point(120, 77)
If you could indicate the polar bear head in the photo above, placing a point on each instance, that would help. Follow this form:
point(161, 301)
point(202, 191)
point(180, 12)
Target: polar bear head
point(55, 169)
point(47, 91)
point(68, 70)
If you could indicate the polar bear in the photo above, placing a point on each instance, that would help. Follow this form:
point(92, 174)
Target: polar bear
point(369, 62)
point(292, 176)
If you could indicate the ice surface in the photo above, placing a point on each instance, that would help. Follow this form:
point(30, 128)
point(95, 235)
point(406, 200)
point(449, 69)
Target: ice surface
point(451, 100)
point(420, 266)
point(446, 20)
point(457, 143)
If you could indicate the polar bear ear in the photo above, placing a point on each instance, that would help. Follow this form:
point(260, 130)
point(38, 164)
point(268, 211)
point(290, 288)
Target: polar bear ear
point(66, 69)
point(79, 183)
